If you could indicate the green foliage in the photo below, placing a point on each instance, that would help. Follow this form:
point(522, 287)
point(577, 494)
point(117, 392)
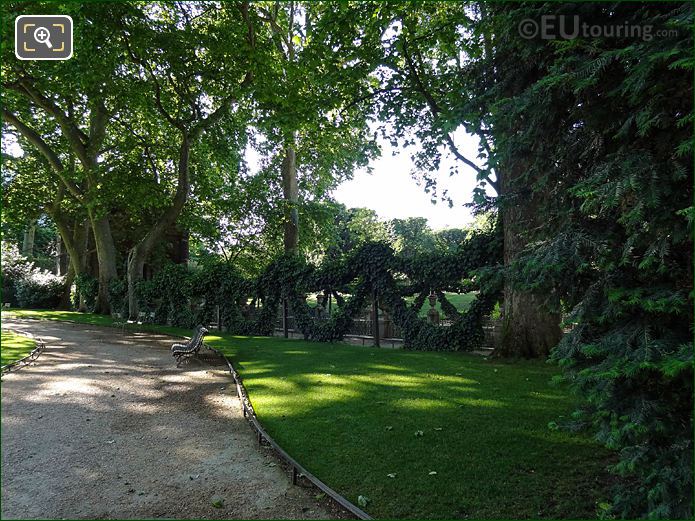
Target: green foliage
point(87, 287)
point(27, 285)
point(40, 289)
point(375, 268)
point(169, 294)
point(118, 296)
point(219, 283)
point(15, 267)
point(612, 184)
point(249, 306)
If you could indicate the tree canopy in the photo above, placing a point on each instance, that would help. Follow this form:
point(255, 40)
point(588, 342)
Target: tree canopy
point(223, 128)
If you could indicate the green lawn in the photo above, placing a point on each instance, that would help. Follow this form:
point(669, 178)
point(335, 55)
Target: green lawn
point(14, 346)
point(460, 300)
point(462, 436)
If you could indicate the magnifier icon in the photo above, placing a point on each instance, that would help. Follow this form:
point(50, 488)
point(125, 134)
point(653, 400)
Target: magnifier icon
point(43, 35)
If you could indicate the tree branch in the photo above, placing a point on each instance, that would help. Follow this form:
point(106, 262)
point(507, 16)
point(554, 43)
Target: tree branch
point(157, 87)
point(35, 139)
point(78, 140)
point(436, 111)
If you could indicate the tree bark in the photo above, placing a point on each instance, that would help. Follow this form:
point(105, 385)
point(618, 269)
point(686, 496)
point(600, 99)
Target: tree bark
point(73, 238)
point(28, 242)
point(106, 255)
point(140, 252)
point(65, 299)
point(529, 330)
point(290, 193)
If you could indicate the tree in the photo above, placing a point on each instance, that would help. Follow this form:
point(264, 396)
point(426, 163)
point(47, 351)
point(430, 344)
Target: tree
point(62, 109)
point(600, 132)
point(195, 77)
point(428, 83)
point(316, 134)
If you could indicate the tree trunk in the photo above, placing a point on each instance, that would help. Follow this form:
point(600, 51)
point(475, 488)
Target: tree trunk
point(528, 330)
point(74, 240)
point(69, 279)
point(290, 193)
point(28, 242)
point(106, 255)
point(136, 264)
point(59, 255)
point(141, 251)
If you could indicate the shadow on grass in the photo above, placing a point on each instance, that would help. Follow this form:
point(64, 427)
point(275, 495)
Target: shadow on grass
point(422, 434)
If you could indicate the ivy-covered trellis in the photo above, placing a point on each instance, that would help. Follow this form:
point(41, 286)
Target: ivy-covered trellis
point(250, 306)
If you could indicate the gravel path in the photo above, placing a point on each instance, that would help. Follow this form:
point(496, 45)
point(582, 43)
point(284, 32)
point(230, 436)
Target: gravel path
point(105, 426)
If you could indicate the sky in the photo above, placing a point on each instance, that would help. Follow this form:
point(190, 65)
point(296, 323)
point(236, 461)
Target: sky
point(392, 193)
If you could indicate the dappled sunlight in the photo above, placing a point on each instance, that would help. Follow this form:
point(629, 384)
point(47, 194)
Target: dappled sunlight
point(68, 386)
point(227, 405)
point(397, 411)
point(386, 367)
point(546, 396)
point(423, 404)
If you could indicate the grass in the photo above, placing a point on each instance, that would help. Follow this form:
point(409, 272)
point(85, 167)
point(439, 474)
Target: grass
point(14, 346)
point(90, 319)
point(459, 300)
point(353, 416)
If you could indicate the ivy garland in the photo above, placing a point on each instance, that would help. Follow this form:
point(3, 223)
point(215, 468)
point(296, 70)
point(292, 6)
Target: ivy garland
point(250, 307)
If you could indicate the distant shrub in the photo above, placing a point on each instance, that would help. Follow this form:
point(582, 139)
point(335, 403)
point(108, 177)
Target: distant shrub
point(14, 267)
point(40, 289)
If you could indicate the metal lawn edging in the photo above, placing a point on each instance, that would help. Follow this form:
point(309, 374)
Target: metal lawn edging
point(297, 469)
point(31, 357)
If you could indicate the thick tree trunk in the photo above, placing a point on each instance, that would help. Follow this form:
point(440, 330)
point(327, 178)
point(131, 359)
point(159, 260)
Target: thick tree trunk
point(529, 330)
point(69, 279)
point(73, 238)
point(28, 242)
point(290, 193)
point(106, 255)
point(141, 251)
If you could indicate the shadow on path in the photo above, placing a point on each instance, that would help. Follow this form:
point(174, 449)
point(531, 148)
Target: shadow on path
point(105, 426)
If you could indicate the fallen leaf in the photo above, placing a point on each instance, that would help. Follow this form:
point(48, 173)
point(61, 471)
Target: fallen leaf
point(111, 441)
point(433, 473)
point(437, 428)
point(389, 427)
point(391, 475)
point(419, 433)
point(362, 501)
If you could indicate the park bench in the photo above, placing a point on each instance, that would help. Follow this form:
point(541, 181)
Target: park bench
point(191, 348)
